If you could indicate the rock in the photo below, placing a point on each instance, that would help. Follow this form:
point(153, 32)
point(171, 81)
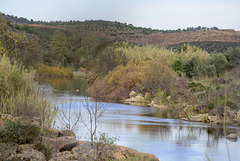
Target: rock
point(132, 94)
point(67, 133)
point(137, 99)
point(199, 118)
point(26, 152)
point(69, 146)
point(6, 150)
point(85, 151)
point(56, 144)
point(213, 119)
point(159, 106)
point(66, 155)
point(232, 137)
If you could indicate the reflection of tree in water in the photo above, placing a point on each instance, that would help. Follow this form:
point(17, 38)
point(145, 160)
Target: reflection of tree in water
point(216, 133)
point(158, 131)
point(185, 134)
point(63, 84)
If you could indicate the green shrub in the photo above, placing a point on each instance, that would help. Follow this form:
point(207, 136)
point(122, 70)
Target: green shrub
point(219, 61)
point(19, 132)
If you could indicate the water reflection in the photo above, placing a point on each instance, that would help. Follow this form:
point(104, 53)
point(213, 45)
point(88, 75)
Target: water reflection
point(149, 130)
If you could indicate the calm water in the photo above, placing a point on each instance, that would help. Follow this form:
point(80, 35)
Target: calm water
point(147, 129)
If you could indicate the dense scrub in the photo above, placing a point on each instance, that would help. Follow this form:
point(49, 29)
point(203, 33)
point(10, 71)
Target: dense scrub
point(187, 78)
point(19, 93)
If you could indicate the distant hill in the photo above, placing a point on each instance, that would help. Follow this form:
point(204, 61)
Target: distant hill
point(210, 39)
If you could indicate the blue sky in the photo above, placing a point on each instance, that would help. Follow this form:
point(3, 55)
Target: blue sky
point(159, 14)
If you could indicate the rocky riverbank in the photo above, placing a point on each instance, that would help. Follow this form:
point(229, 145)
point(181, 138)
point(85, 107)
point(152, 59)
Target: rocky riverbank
point(186, 112)
point(54, 145)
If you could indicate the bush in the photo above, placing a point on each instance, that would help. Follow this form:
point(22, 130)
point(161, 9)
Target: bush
point(20, 95)
point(233, 57)
point(219, 61)
point(117, 84)
point(44, 70)
point(19, 132)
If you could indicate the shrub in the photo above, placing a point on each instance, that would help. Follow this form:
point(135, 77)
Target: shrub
point(233, 57)
point(44, 70)
point(117, 84)
point(157, 76)
point(19, 132)
point(219, 61)
point(19, 93)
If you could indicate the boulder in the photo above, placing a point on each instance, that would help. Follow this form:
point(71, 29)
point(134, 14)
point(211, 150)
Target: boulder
point(26, 152)
point(132, 94)
point(66, 155)
point(6, 150)
point(137, 99)
point(68, 147)
point(213, 119)
point(199, 118)
point(56, 144)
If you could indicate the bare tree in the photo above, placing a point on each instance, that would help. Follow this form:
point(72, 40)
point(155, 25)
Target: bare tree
point(68, 117)
point(94, 111)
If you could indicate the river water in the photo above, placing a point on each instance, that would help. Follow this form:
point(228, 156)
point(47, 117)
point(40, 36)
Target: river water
point(146, 129)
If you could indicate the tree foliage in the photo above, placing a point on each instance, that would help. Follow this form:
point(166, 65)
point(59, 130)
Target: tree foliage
point(18, 45)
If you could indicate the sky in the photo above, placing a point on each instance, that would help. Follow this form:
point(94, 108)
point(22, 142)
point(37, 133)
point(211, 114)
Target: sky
point(156, 14)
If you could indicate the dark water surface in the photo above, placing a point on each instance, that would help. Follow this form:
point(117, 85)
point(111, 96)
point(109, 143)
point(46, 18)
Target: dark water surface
point(147, 129)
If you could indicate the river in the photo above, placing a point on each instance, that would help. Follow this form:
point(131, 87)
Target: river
point(146, 129)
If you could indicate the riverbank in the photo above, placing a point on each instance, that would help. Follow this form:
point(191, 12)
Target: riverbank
point(54, 145)
point(189, 113)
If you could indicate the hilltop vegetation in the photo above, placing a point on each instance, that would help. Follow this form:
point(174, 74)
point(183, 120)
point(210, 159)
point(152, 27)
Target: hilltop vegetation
point(207, 38)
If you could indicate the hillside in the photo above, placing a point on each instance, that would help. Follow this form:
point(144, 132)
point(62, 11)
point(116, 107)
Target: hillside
point(210, 39)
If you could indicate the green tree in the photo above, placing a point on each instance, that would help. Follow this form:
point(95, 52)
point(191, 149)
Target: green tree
point(108, 59)
point(192, 67)
point(87, 50)
point(234, 57)
point(219, 61)
point(59, 48)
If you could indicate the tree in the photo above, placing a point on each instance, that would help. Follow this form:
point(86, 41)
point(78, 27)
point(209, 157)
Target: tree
point(108, 59)
point(219, 61)
point(192, 67)
point(234, 56)
point(68, 117)
point(94, 112)
point(86, 52)
point(59, 48)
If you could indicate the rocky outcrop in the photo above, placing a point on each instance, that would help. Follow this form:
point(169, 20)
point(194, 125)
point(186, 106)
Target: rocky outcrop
point(55, 145)
point(88, 151)
point(139, 100)
point(26, 152)
point(20, 152)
